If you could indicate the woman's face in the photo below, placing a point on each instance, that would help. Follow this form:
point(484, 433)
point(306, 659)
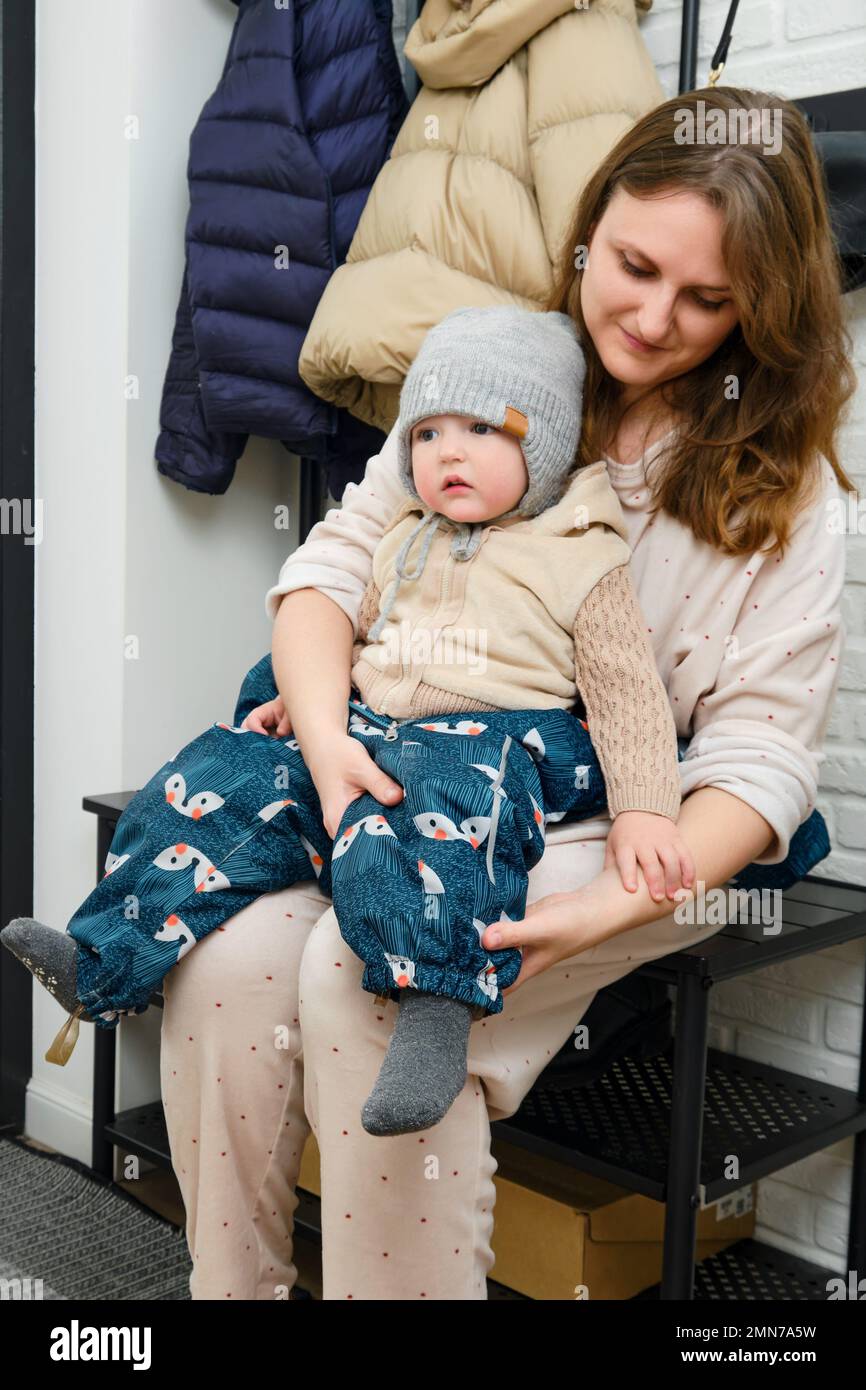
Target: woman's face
point(679, 305)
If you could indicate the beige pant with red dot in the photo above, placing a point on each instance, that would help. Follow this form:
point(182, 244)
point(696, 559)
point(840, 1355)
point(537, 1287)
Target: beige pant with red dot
point(266, 1031)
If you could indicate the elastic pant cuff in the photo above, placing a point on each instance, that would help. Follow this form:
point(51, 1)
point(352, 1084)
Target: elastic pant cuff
point(440, 979)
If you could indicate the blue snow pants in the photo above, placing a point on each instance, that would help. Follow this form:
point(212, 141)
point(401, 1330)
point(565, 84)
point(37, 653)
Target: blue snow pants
point(236, 814)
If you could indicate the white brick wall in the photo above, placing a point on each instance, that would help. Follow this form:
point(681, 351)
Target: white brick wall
point(804, 1016)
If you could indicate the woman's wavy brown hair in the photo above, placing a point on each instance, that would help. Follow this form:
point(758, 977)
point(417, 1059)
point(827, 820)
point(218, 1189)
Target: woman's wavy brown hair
point(739, 470)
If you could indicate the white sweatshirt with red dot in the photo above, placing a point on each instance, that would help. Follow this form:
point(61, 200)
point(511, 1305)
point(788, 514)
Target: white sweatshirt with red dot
point(748, 647)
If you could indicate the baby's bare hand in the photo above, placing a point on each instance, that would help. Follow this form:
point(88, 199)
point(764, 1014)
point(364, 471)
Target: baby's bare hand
point(342, 770)
point(269, 717)
point(654, 842)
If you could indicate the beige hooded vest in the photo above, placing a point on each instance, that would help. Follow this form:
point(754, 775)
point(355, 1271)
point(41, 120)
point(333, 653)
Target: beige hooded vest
point(543, 614)
point(497, 629)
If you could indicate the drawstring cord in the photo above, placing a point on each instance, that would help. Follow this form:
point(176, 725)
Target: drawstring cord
point(464, 545)
point(498, 794)
point(400, 572)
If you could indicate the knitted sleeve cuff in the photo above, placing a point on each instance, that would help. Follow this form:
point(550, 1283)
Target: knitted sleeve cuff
point(367, 615)
point(627, 709)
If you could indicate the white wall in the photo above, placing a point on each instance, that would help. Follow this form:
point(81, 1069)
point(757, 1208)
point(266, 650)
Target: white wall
point(127, 551)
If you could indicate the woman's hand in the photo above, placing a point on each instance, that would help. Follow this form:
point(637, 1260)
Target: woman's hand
point(343, 770)
point(654, 842)
point(271, 715)
point(724, 833)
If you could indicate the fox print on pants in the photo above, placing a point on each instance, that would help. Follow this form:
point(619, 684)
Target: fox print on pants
point(236, 814)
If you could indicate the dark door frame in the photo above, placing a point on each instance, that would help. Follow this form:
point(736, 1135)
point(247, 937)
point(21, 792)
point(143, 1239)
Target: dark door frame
point(17, 518)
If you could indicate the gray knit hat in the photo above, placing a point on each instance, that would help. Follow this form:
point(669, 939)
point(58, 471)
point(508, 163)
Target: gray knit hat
point(521, 370)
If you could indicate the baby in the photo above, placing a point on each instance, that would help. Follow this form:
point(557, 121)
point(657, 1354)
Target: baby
point(523, 562)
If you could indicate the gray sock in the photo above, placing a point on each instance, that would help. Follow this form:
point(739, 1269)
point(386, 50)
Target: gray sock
point(425, 1066)
point(50, 955)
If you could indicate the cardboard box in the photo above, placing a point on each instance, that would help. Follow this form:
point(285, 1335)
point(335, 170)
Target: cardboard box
point(563, 1234)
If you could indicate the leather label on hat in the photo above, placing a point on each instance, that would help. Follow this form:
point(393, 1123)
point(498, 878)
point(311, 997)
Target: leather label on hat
point(515, 422)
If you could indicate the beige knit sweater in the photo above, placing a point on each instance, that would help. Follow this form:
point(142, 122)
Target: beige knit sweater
point(553, 600)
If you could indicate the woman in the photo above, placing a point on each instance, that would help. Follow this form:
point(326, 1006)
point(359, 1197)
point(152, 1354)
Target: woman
point(704, 282)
